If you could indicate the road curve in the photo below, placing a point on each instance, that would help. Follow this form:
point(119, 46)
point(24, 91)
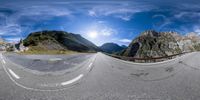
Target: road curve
point(101, 77)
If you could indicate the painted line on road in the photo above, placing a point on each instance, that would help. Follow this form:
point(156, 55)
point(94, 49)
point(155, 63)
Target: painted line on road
point(28, 88)
point(3, 61)
point(13, 74)
point(9, 71)
point(73, 80)
point(22, 86)
point(90, 65)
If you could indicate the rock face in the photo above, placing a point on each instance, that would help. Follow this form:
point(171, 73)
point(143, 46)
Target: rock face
point(2, 44)
point(189, 42)
point(59, 40)
point(158, 44)
point(20, 47)
point(1, 40)
point(112, 48)
point(153, 44)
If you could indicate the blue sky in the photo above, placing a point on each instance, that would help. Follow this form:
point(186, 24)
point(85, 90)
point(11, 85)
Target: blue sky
point(102, 21)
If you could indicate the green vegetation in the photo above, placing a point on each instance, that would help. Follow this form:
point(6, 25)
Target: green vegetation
point(57, 42)
point(112, 48)
point(47, 52)
point(197, 47)
point(34, 39)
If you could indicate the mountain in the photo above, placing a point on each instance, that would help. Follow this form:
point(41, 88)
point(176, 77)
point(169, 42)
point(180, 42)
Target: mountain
point(189, 42)
point(59, 40)
point(2, 44)
point(112, 48)
point(124, 46)
point(153, 44)
point(2, 41)
point(158, 44)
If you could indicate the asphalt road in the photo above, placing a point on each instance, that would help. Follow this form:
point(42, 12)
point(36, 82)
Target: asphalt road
point(48, 62)
point(100, 77)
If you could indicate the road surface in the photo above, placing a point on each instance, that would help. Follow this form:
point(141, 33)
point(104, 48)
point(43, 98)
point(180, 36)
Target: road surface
point(100, 77)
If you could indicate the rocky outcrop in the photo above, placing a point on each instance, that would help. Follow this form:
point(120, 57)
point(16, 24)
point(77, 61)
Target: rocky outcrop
point(153, 44)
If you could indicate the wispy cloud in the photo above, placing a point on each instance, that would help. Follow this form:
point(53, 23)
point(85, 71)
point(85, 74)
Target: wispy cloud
point(44, 10)
point(13, 39)
point(162, 22)
point(197, 29)
point(15, 17)
point(10, 30)
point(18, 17)
point(125, 40)
point(122, 10)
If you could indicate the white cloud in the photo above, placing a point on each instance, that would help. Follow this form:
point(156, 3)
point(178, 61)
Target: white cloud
point(13, 39)
point(91, 13)
point(185, 14)
point(107, 31)
point(162, 23)
point(125, 17)
point(101, 22)
point(44, 11)
point(179, 15)
point(33, 14)
point(197, 30)
point(11, 30)
point(125, 40)
point(121, 10)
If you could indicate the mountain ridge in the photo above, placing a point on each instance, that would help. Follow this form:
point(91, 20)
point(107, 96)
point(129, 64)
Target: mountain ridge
point(111, 47)
point(157, 44)
point(59, 40)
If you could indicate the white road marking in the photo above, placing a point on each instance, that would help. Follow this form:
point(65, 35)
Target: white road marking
point(90, 65)
point(13, 74)
point(3, 61)
point(20, 85)
point(28, 88)
point(35, 89)
point(73, 80)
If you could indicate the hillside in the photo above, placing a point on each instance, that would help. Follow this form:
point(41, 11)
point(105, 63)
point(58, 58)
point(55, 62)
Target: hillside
point(111, 48)
point(158, 44)
point(152, 44)
point(2, 41)
point(59, 40)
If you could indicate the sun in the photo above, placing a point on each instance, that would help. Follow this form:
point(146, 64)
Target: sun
point(92, 34)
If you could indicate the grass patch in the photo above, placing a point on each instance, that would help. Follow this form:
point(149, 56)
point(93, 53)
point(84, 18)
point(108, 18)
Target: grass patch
point(51, 52)
point(42, 50)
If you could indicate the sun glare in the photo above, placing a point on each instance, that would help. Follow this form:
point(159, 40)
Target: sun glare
point(92, 34)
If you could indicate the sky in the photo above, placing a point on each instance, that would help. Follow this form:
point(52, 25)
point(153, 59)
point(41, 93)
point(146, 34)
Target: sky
point(118, 21)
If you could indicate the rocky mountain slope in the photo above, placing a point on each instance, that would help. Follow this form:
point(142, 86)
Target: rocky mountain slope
point(59, 40)
point(112, 48)
point(2, 41)
point(189, 42)
point(158, 44)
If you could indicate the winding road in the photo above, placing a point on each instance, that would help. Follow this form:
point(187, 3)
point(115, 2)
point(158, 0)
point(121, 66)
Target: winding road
point(97, 77)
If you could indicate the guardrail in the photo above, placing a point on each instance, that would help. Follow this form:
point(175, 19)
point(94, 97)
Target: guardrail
point(149, 59)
